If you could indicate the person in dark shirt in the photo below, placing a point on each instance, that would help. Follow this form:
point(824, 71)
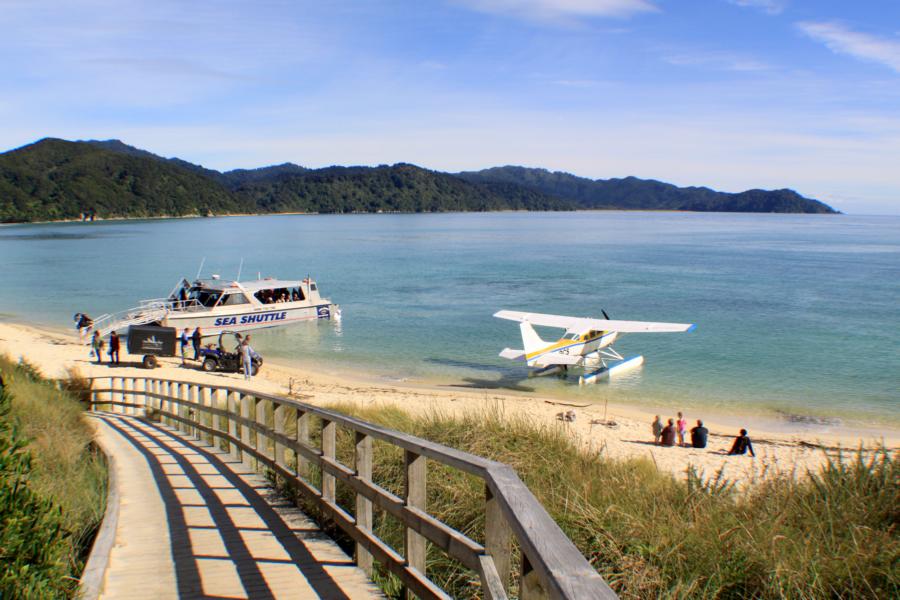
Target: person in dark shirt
point(742, 444)
point(668, 434)
point(196, 340)
point(699, 435)
point(114, 348)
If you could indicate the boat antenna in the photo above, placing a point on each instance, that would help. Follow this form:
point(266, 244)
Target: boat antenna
point(240, 268)
point(200, 270)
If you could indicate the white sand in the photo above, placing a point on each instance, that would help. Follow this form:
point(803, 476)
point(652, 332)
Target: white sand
point(54, 351)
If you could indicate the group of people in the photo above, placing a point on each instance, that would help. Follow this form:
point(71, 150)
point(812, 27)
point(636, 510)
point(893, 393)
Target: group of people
point(98, 346)
point(280, 295)
point(675, 432)
point(187, 340)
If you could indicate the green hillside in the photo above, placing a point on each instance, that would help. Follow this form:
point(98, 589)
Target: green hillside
point(55, 179)
point(646, 194)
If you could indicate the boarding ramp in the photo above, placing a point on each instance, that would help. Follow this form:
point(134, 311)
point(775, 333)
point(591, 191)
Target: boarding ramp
point(141, 315)
point(521, 552)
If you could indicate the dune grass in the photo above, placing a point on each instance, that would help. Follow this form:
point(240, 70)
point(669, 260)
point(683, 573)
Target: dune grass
point(829, 534)
point(55, 483)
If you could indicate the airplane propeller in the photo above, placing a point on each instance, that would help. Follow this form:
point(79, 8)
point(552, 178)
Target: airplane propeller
point(605, 316)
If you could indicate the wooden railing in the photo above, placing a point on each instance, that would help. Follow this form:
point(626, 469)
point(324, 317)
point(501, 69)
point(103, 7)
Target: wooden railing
point(274, 433)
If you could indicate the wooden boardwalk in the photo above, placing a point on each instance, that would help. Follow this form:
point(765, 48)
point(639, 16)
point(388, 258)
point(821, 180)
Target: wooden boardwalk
point(195, 523)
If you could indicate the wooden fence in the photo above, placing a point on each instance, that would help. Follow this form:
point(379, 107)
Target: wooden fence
point(274, 433)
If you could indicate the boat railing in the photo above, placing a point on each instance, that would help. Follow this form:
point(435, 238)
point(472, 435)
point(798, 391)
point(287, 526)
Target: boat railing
point(140, 315)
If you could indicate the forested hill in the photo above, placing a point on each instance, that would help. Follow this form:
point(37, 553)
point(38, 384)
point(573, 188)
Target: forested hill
point(56, 179)
point(632, 193)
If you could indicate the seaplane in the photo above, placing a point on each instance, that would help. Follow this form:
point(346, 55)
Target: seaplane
point(586, 344)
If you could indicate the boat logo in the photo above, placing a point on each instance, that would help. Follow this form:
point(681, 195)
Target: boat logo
point(323, 312)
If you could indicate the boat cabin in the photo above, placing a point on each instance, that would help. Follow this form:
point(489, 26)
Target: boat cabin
point(205, 294)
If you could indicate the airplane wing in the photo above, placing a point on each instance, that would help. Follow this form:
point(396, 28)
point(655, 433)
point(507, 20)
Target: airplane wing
point(512, 354)
point(583, 325)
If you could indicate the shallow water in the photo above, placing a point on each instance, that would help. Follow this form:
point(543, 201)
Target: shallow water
point(797, 315)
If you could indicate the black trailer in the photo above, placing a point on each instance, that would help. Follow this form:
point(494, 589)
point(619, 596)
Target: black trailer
point(151, 341)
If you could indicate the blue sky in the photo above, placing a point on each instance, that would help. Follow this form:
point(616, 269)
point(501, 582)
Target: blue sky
point(732, 94)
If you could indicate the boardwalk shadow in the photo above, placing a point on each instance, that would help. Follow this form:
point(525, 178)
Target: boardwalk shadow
point(156, 443)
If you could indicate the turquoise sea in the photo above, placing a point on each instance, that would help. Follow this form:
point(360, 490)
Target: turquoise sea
point(798, 316)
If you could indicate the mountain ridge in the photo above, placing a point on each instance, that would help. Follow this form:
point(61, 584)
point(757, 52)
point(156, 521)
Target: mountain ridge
point(54, 179)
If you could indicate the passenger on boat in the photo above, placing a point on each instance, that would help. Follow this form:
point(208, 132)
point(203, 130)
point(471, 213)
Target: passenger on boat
point(295, 296)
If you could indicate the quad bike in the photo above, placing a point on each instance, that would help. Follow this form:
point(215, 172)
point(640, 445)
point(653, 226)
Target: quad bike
point(218, 358)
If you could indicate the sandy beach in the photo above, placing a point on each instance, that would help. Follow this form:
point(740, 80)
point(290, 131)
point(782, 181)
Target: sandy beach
point(624, 433)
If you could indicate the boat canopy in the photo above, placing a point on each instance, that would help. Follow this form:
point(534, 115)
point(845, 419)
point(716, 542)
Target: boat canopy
point(254, 285)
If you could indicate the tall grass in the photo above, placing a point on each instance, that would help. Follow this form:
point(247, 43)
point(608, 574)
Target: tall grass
point(63, 480)
point(830, 534)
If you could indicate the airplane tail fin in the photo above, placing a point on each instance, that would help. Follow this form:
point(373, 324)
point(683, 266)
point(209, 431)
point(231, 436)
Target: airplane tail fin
point(530, 338)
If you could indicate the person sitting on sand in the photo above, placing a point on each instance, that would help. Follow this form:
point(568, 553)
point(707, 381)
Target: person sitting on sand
point(681, 428)
point(668, 434)
point(741, 444)
point(699, 435)
point(657, 430)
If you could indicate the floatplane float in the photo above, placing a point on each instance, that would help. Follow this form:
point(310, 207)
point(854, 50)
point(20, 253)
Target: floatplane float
point(587, 344)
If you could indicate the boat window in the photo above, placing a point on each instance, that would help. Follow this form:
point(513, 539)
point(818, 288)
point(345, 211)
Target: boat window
point(204, 297)
point(297, 294)
point(313, 287)
point(233, 299)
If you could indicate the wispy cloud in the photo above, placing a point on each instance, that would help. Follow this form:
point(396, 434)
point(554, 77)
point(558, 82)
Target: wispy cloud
point(720, 61)
point(561, 9)
point(770, 7)
point(842, 40)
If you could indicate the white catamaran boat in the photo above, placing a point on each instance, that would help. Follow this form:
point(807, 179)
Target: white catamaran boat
point(215, 305)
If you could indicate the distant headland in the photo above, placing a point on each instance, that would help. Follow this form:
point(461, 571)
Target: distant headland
point(55, 179)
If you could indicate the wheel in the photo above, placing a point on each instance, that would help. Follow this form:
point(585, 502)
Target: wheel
point(150, 362)
point(254, 370)
point(209, 365)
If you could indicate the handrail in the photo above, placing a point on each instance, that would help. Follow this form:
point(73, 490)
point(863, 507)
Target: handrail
point(239, 419)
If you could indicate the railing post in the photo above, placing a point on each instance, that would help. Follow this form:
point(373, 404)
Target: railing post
point(302, 438)
point(262, 440)
point(363, 459)
point(529, 585)
point(280, 417)
point(233, 402)
point(184, 391)
point(497, 537)
point(146, 397)
point(193, 409)
point(246, 457)
point(128, 395)
point(328, 451)
point(415, 498)
point(203, 416)
point(219, 422)
point(170, 393)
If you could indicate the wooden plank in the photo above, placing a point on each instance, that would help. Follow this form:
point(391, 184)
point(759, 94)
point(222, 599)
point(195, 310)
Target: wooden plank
point(493, 586)
point(245, 401)
point(415, 478)
point(363, 463)
point(530, 587)
point(280, 424)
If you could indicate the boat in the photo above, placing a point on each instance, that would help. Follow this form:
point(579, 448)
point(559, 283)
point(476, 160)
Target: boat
point(215, 305)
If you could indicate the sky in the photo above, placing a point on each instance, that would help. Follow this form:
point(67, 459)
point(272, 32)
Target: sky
point(730, 94)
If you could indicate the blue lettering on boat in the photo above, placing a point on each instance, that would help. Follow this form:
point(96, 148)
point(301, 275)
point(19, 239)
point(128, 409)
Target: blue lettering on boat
point(250, 319)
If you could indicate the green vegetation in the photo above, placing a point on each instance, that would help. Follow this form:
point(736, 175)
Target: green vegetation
point(832, 534)
point(52, 487)
point(55, 179)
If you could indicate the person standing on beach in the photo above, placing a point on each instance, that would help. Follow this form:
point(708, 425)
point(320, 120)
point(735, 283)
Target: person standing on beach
point(699, 434)
point(247, 357)
point(657, 430)
point(185, 339)
point(681, 426)
point(668, 434)
point(196, 340)
point(97, 347)
point(742, 444)
point(114, 348)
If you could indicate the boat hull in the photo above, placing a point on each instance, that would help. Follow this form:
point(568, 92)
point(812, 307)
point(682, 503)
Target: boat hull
point(269, 315)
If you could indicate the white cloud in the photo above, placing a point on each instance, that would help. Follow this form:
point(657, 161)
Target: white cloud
point(841, 40)
point(561, 9)
point(770, 7)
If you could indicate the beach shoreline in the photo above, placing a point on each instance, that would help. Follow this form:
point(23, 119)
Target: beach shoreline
point(615, 430)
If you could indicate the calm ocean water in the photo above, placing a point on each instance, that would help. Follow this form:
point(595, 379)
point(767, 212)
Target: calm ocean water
point(796, 314)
